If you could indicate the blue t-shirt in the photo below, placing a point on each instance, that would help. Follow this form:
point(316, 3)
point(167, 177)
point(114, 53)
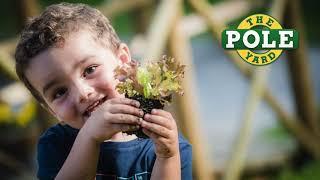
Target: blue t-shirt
point(132, 160)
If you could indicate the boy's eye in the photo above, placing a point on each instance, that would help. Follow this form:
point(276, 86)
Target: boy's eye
point(58, 93)
point(89, 70)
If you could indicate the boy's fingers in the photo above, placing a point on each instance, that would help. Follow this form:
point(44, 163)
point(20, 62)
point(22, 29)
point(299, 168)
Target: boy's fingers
point(155, 128)
point(162, 121)
point(126, 127)
point(149, 133)
point(126, 109)
point(161, 112)
point(125, 101)
point(124, 119)
point(154, 135)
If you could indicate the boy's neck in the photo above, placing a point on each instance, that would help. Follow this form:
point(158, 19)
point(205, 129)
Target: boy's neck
point(121, 137)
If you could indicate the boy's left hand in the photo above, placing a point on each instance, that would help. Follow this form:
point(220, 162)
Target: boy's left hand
point(161, 127)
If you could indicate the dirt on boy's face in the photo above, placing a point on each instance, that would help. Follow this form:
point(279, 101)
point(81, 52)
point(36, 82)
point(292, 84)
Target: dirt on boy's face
point(75, 76)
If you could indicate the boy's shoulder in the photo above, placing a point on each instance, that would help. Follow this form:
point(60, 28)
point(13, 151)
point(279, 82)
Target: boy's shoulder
point(58, 132)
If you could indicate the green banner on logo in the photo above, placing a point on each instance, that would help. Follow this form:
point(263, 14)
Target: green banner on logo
point(260, 39)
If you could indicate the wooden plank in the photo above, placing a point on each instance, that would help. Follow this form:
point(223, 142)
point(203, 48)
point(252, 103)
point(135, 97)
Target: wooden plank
point(299, 66)
point(160, 28)
point(239, 153)
point(7, 64)
point(189, 118)
point(29, 8)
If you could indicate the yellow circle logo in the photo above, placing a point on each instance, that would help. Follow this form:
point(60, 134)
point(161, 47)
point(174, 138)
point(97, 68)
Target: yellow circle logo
point(259, 39)
point(265, 57)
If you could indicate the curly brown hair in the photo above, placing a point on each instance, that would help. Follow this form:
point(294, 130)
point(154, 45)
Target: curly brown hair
point(51, 28)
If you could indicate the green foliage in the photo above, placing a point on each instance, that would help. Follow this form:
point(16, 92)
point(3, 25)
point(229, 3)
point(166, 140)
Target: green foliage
point(309, 172)
point(277, 132)
point(144, 79)
point(124, 24)
point(156, 80)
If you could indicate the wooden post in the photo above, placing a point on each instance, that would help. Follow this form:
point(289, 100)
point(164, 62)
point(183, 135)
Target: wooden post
point(188, 104)
point(239, 153)
point(29, 8)
point(299, 67)
point(7, 64)
point(160, 28)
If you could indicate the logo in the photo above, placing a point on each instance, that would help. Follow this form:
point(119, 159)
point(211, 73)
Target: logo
point(260, 39)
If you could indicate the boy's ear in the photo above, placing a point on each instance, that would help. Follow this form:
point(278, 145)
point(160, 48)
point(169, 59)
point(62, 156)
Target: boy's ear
point(123, 53)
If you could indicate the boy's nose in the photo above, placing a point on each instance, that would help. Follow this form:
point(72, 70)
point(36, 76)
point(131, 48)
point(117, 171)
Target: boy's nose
point(84, 92)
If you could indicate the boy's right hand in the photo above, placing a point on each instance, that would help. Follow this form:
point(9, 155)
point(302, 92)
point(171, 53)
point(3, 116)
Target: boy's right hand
point(113, 116)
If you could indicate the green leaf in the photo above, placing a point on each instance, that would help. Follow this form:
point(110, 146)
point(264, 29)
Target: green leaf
point(144, 77)
point(155, 80)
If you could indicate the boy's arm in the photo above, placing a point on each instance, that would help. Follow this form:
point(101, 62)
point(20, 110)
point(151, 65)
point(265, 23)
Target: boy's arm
point(115, 115)
point(82, 160)
point(161, 128)
point(166, 165)
point(167, 168)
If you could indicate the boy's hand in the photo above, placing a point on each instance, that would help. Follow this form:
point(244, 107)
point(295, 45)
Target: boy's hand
point(161, 127)
point(113, 116)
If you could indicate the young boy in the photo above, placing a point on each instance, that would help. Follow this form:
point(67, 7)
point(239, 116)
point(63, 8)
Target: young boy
point(66, 58)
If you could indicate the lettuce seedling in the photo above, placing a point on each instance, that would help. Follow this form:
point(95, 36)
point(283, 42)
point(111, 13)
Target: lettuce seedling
point(152, 84)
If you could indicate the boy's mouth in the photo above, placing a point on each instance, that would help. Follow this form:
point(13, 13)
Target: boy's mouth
point(93, 107)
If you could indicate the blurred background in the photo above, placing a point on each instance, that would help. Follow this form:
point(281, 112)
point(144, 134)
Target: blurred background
point(243, 122)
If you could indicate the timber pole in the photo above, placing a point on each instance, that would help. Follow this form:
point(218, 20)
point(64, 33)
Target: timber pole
point(299, 66)
point(188, 103)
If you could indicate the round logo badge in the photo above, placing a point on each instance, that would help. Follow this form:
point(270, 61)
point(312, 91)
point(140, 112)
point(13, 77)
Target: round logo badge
point(266, 56)
point(259, 39)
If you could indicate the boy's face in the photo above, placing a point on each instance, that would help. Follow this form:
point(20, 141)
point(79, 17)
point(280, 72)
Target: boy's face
point(75, 76)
